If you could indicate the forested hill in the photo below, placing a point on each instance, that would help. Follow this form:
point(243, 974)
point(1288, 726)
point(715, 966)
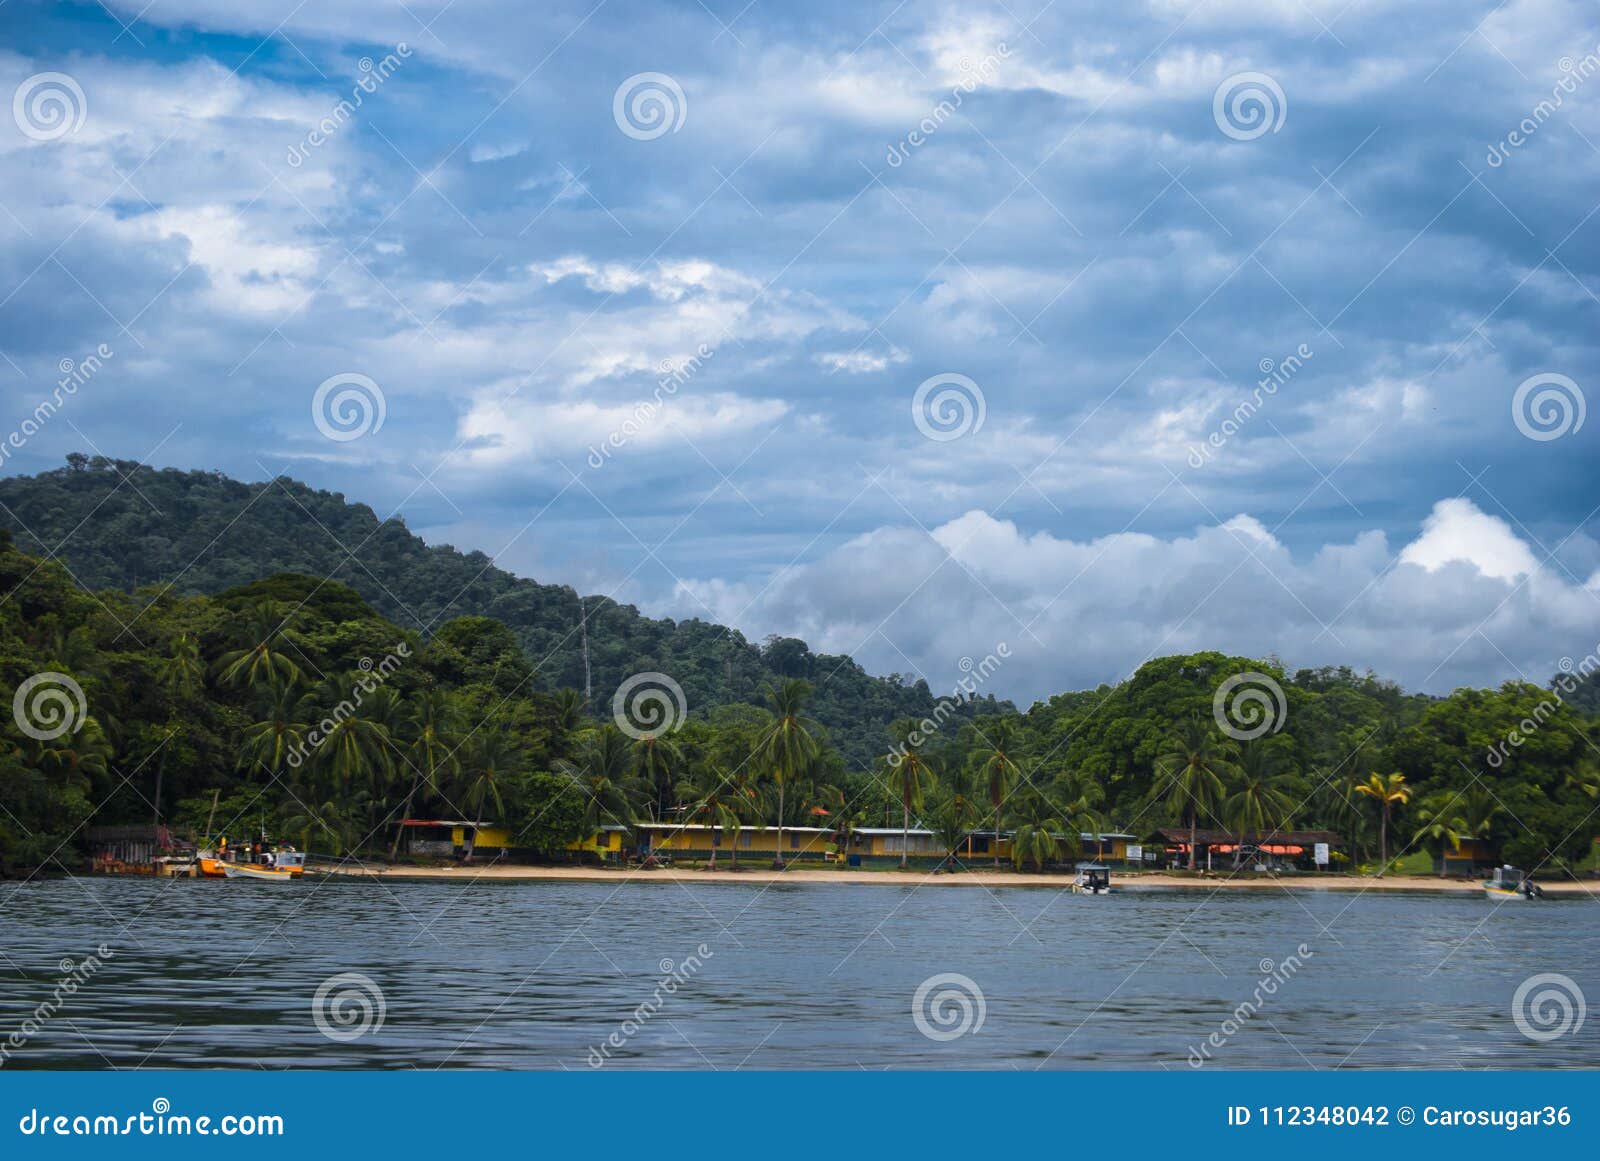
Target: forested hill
point(121, 525)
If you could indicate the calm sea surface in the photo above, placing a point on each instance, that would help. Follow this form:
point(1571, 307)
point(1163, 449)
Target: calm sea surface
point(533, 975)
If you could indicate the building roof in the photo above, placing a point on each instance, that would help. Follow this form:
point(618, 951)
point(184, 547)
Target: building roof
point(1180, 834)
point(708, 826)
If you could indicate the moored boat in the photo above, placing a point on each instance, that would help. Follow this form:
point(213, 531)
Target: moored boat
point(288, 866)
point(1511, 883)
point(1092, 879)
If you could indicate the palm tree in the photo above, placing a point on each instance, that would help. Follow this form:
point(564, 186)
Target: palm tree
point(601, 773)
point(789, 743)
point(657, 759)
point(1390, 790)
point(258, 661)
point(569, 710)
point(355, 753)
point(956, 813)
point(910, 776)
point(279, 733)
point(1449, 816)
point(182, 671)
point(750, 800)
point(490, 758)
point(432, 724)
point(1193, 767)
point(998, 769)
point(1259, 803)
point(714, 802)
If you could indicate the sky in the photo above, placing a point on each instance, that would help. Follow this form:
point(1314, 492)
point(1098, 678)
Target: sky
point(1084, 333)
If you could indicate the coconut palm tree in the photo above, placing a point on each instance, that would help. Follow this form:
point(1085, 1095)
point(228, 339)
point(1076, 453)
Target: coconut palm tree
point(1449, 816)
point(260, 658)
point(997, 767)
point(714, 802)
point(432, 723)
point(602, 772)
point(1390, 790)
point(183, 671)
point(1260, 802)
point(657, 759)
point(1191, 774)
point(279, 732)
point(355, 752)
point(909, 773)
point(955, 814)
point(489, 761)
point(787, 746)
point(569, 709)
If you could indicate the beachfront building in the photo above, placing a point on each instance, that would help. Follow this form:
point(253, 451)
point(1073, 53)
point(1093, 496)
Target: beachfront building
point(882, 846)
point(695, 842)
point(1221, 850)
point(1469, 858)
point(447, 838)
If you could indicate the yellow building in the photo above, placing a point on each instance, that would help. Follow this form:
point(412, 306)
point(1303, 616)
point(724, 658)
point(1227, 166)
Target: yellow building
point(447, 838)
point(698, 841)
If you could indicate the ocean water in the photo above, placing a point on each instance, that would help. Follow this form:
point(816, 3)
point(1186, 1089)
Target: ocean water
point(640, 974)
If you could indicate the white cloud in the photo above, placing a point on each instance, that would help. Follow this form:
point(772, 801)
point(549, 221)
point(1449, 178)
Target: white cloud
point(1460, 601)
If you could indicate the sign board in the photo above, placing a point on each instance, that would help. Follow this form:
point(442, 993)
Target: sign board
point(1135, 853)
point(1321, 854)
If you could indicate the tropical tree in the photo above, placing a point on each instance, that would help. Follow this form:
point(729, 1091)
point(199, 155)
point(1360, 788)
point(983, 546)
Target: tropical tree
point(1448, 817)
point(602, 771)
point(1260, 802)
point(788, 745)
point(997, 767)
point(909, 773)
point(657, 762)
point(432, 725)
point(491, 758)
point(260, 658)
point(279, 732)
point(183, 671)
point(714, 802)
point(1191, 773)
point(1390, 791)
point(955, 814)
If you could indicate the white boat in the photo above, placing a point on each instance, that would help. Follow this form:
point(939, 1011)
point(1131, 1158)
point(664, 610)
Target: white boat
point(1510, 883)
point(1092, 879)
point(286, 866)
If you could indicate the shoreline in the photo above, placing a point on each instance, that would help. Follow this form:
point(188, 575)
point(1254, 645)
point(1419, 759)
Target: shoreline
point(1142, 881)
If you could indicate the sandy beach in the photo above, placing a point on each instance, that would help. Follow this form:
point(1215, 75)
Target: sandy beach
point(974, 878)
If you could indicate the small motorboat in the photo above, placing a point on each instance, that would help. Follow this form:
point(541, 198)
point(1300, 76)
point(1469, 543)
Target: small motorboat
point(1092, 879)
point(274, 867)
point(1511, 883)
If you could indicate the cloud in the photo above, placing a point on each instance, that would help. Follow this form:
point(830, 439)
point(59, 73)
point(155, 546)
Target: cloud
point(1460, 600)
